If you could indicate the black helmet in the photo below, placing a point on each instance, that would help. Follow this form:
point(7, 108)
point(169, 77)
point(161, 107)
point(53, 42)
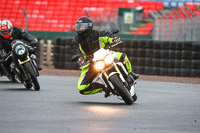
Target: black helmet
point(84, 25)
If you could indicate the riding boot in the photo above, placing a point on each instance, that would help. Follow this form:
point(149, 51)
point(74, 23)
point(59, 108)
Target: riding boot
point(38, 66)
point(107, 92)
point(134, 75)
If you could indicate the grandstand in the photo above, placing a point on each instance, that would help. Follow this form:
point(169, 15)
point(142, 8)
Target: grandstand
point(61, 15)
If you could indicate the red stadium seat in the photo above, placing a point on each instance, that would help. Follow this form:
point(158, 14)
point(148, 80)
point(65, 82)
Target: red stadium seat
point(62, 15)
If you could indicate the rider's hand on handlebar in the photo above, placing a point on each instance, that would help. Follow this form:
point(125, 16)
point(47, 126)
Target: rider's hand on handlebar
point(81, 61)
point(31, 49)
point(116, 40)
point(33, 44)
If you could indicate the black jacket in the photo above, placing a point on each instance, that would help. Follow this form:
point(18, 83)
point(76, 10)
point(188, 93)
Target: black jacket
point(89, 43)
point(18, 33)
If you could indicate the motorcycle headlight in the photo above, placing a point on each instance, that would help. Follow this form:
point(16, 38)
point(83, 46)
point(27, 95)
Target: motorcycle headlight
point(109, 59)
point(20, 50)
point(99, 65)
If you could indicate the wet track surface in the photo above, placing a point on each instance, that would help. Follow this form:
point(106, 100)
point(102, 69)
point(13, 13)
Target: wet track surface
point(58, 107)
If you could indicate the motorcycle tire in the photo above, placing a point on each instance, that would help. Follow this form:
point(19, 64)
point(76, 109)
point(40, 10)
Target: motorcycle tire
point(134, 97)
point(35, 83)
point(28, 84)
point(119, 86)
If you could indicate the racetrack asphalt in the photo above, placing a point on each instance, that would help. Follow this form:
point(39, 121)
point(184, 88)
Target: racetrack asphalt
point(165, 104)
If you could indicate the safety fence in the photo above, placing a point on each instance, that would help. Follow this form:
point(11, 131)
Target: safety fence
point(180, 24)
point(168, 58)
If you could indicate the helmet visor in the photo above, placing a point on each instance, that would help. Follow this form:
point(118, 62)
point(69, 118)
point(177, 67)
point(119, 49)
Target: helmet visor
point(5, 32)
point(81, 26)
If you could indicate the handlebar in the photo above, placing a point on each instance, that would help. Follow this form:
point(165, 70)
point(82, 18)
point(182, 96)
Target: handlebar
point(116, 44)
point(89, 57)
point(113, 45)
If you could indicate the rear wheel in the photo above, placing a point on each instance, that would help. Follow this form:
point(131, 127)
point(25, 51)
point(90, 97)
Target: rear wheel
point(119, 86)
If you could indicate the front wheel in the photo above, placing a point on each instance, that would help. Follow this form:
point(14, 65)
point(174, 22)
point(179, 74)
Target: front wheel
point(33, 76)
point(134, 97)
point(119, 86)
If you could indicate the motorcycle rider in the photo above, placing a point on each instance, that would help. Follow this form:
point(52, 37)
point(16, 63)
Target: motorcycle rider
point(10, 33)
point(86, 43)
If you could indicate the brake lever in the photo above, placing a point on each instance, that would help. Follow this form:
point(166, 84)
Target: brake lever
point(116, 44)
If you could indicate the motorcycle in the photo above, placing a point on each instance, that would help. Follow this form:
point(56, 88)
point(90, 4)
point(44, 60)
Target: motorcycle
point(24, 65)
point(113, 74)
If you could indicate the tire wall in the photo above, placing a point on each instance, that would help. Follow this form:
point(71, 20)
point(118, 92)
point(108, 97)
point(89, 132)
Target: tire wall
point(149, 57)
point(63, 53)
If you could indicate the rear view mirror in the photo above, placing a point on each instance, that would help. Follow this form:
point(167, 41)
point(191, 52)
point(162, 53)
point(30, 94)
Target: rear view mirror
point(115, 31)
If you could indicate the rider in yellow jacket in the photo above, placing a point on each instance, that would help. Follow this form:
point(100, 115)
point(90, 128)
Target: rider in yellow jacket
point(86, 43)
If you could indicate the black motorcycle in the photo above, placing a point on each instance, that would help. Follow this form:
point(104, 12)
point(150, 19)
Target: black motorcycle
point(24, 65)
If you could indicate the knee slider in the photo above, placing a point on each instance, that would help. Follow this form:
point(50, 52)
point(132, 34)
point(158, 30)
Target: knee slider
point(81, 92)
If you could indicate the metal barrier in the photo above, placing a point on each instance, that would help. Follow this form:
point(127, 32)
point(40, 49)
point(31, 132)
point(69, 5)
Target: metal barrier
point(180, 29)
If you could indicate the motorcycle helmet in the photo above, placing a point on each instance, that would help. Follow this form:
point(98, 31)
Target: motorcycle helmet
point(84, 25)
point(6, 29)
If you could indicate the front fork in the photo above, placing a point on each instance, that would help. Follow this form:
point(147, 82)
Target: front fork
point(18, 69)
point(122, 74)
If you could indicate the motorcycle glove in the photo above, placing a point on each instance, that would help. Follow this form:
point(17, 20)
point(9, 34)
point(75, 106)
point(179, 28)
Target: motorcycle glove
point(33, 44)
point(81, 61)
point(31, 50)
point(116, 40)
